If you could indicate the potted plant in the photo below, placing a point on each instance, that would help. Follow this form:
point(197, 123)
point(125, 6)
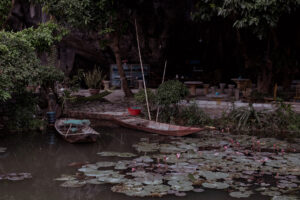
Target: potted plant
point(93, 80)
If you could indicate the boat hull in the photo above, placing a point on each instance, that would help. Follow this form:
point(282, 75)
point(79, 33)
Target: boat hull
point(156, 127)
point(87, 135)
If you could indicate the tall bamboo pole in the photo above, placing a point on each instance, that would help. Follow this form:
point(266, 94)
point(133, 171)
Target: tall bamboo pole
point(142, 68)
point(163, 80)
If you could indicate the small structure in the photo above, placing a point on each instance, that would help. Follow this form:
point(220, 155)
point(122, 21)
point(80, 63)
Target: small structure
point(193, 85)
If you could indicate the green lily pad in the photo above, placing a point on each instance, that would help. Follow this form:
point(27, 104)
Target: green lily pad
point(105, 164)
point(117, 154)
point(240, 194)
point(73, 184)
point(216, 185)
point(65, 177)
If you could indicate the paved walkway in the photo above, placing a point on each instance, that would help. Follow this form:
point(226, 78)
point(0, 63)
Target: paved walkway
point(118, 103)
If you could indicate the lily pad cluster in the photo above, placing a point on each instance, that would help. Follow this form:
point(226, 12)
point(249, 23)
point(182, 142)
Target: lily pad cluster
point(15, 176)
point(242, 165)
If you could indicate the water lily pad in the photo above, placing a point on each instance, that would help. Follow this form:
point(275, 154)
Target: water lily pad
point(117, 154)
point(93, 181)
point(271, 193)
point(65, 177)
point(285, 198)
point(105, 164)
point(181, 185)
point(216, 185)
point(122, 164)
point(146, 147)
point(209, 175)
point(240, 194)
point(73, 184)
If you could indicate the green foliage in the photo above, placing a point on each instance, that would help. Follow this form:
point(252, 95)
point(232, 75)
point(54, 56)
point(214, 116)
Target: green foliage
point(171, 92)
point(44, 36)
point(193, 115)
point(247, 118)
point(103, 15)
point(259, 15)
point(284, 118)
point(93, 79)
point(21, 113)
point(18, 64)
point(5, 6)
point(140, 98)
point(48, 75)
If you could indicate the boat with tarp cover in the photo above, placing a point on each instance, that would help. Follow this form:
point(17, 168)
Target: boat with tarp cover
point(75, 130)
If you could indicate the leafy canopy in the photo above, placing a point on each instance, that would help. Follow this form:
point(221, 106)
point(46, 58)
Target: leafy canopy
point(257, 15)
point(5, 6)
point(19, 64)
point(97, 15)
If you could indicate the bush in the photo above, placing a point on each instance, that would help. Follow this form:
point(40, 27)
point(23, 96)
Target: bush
point(20, 113)
point(141, 99)
point(171, 92)
point(94, 78)
point(193, 115)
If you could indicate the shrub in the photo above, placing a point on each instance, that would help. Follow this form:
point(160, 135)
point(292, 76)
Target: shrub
point(140, 98)
point(247, 118)
point(193, 115)
point(94, 78)
point(171, 92)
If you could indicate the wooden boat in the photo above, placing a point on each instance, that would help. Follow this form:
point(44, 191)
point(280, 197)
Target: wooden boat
point(155, 127)
point(73, 131)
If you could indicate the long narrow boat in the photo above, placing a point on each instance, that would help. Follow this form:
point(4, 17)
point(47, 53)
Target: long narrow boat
point(155, 127)
point(76, 131)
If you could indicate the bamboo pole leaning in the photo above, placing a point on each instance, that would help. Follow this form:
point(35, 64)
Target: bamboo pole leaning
point(142, 68)
point(163, 80)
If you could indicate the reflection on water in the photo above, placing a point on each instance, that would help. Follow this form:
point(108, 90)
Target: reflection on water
point(46, 156)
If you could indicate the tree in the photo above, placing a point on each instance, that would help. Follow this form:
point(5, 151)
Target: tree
point(108, 18)
point(256, 17)
point(19, 64)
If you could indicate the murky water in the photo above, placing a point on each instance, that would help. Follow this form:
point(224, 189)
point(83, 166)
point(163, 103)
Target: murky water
point(47, 156)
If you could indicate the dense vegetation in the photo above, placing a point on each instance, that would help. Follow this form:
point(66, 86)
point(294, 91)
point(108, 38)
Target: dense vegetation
point(20, 67)
point(259, 18)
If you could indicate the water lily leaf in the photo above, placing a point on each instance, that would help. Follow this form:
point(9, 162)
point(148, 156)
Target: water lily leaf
point(93, 181)
point(105, 164)
point(73, 183)
point(285, 198)
point(116, 154)
point(240, 194)
point(216, 185)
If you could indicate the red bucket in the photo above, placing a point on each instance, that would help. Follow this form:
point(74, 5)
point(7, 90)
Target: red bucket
point(134, 111)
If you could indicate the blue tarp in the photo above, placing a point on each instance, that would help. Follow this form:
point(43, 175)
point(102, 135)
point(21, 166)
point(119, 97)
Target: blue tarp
point(77, 122)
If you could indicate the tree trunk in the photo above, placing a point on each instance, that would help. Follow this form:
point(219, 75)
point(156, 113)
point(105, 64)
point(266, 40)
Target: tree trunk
point(9, 14)
point(264, 79)
point(116, 49)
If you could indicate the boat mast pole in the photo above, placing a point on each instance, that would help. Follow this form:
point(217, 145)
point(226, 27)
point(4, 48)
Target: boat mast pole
point(163, 80)
point(142, 68)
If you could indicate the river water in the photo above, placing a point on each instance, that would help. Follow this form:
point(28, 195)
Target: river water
point(47, 156)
